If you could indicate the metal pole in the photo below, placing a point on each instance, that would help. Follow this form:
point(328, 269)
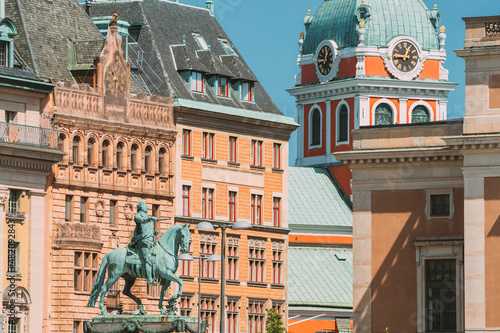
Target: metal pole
point(199, 293)
point(223, 281)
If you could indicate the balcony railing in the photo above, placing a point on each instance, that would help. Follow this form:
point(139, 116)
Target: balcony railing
point(29, 135)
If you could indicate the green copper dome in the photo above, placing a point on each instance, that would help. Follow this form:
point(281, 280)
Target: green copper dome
point(385, 19)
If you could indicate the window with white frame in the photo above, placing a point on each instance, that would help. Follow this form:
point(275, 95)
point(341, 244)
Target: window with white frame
point(232, 205)
point(384, 114)
point(186, 142)
point(277, 212)
point(439, 204)
point(256, 153)
point(208, 311)
point(256, 315)
point(277, 248)
point(208, 145)
point(420, 114)
point(233, 309)
point(277, 155)
point(256, 209)
point(222, 86)
point(208, 246)
point(229, 50)
point(201, 41)
point(315, 128)
point(186, 304)
point(207, 203)
point(256, 260)
point(233, 256)
point(186, 193)
point(197, 82)
point(246, 91)
point(233, 149)
point(343, 124)
point(4, 54)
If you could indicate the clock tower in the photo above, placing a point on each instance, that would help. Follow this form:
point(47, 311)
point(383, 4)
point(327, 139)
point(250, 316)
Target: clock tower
point(366, 63)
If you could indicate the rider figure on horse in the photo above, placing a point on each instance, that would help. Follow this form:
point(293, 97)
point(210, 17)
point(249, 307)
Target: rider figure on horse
point(143, 239)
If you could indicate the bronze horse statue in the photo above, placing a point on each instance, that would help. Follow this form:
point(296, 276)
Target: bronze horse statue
point(164, 268)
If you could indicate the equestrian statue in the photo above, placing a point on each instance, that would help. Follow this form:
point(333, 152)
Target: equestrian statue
point(143, 258)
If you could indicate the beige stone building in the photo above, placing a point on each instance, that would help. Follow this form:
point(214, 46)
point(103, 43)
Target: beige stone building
point(426, 210)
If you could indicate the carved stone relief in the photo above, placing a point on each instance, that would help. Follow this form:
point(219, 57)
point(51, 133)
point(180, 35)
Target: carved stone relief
point(257, 243)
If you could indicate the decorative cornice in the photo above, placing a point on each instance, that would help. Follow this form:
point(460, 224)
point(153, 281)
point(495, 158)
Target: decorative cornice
point(474, 143)
point(74, 235)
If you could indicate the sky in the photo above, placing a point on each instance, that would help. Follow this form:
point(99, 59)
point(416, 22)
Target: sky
point(266, 33)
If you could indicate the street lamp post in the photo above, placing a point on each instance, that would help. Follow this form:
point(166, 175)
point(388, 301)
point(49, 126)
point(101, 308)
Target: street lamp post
point(188, 257)
point(240, 225)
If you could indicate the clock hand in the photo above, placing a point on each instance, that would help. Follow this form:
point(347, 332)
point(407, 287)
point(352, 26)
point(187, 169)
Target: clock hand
point(406, 54)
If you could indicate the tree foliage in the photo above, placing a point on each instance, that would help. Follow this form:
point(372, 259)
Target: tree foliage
point(274, 324)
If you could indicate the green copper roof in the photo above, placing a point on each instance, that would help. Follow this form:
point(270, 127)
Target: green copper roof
point(336, 20)
point(315, 200)
point(317, 277)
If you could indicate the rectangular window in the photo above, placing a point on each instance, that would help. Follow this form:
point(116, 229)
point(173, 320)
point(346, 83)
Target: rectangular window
point(83, 209)
point(85, 271)
point(277, 156)
point(233, 149)
point(246, 91)
point(187, 266)
point(277, 212)
point(4, 54)
point(156, 213)
point(208, 145)
point(229, 50)
point(185, 200)
point(278, 307)
point(207, 203)
point(15, 253)
point(441, 298)
point(257, 152)
point(208, 246)
point(186, 304)
point(10, 117)
point(233, 258)
point(209, 312)
point(440, 205)
point(68, 208)
point(257, 261)
point(186, 142)
point(113, 213)
point(256, 316)
point(232, 315)
point(14, 201)
point(201, 41)
point(77, 326)
point(256, 209)
point(197, 82)
point(277, 262)
point(223, 87)
point(153, 291)
point(232, 206)
point(15, 325)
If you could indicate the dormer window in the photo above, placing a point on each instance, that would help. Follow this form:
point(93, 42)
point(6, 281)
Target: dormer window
point(229, 50)
point(134, 31)
point(7, 32)
point(222, 87)
point(4, 54)
point(201, 42)
point(246, 91)
point(197, 82)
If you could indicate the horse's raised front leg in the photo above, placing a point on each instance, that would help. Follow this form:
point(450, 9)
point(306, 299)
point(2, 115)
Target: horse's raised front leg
point(164, 288)
point(126, 291)
point(104, 289)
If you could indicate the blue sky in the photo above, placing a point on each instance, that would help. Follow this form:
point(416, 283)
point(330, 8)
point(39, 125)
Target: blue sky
point(266, 34)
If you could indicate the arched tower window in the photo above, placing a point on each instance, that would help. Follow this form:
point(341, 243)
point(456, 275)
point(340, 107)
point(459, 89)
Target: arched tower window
point(147, 160)
point(105, 152)
point(161, 161)
point(90, 151)
point(383, 115)
point(76, 150)
point(343, 127)
point(420, 114)
point(133, 157)
point(119, 155)
point(315, 128)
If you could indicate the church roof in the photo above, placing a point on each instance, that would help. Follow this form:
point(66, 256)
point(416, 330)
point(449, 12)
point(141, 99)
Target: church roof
point(169, 48)
point(337, 20)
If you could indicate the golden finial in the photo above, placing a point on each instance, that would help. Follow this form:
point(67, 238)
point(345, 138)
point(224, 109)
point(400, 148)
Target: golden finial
point(362, 1)
point(435, 5)
point(362, 23)
point(301, 35)
point(442, 29)
point(308, 11)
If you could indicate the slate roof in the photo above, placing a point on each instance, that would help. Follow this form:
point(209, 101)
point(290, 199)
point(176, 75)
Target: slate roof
point(335, 19)
point(167, 40)
point(50, 25)
point(18, 70)
point(317, 277)
point(315, 200)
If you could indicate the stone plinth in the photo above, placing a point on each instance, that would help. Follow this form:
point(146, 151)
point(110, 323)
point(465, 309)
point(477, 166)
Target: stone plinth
point(144, 324)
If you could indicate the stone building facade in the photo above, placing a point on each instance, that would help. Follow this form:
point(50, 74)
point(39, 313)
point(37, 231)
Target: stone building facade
point(426, 210)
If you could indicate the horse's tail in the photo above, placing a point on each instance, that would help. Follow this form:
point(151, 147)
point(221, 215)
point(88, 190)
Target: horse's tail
point(99, 281)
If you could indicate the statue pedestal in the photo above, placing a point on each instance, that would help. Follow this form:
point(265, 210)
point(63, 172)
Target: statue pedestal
point(144, 324)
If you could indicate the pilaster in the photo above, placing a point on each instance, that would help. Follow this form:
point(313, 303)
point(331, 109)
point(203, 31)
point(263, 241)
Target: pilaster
point(328, 128)
point(300, 135)
point(403, 110)
point(364, 110)
point(442, 109)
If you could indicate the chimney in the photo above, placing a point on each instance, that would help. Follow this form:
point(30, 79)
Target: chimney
point(88, 7)
point(209, 4)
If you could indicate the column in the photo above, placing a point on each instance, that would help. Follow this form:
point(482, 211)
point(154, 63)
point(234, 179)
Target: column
point(300, 135)
point(37, 285)
point(328, 134)
point(362, 275)
point(474, 250)
point(403, 110)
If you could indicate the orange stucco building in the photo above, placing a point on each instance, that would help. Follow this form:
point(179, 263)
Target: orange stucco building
point(426, 208)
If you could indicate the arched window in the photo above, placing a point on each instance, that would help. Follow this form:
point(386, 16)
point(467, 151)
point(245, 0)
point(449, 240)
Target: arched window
point(147, 160)
point(104, 158)
point(119, 155)
point(316, 128)
point(62, 139)
point(383, 115)
point(133, 157)
point(90, 151)
point(161, 161)
point(63, 146)
point(420, 114)
point(343, 127)
point(76, 150)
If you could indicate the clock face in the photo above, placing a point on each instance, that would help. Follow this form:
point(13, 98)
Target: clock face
point(405, 56)
point(325, 60)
